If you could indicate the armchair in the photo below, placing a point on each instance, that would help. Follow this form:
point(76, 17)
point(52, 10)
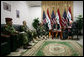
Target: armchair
point(11, 42)
point(74, 29)
point(5, 44)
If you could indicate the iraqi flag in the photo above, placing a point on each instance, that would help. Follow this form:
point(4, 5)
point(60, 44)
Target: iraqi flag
point(69, 16)
point(58, 18)
point(44, 17)
point(48, 20)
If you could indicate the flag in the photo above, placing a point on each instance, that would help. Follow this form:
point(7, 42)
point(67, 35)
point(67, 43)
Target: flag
point(64, 19)
point(44, 17)
point(53, 19)
point(48, 13)
point(58, 17)
point(48, 20)
point(69, 14)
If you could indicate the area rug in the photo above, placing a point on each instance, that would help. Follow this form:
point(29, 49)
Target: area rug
point(57, 48)
point(60, 48)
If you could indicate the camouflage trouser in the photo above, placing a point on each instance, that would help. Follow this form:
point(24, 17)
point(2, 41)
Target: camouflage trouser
point(38, 34)
point(18, 40)
point(43, 33)
point(14, 41)
point(29, 35)
point(23, 36)
point(46, 33)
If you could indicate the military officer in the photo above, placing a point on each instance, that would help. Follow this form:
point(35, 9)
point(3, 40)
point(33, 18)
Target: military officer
point(29, 33)
point(9, 29)
point(41, 30)
point(46, 29)
point(8, 26)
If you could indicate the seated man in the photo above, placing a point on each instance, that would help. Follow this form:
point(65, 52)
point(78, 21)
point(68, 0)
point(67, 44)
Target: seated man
point(29, 33)
point(41, 31)
point(65, 33)
point(54, 29)
point(58, 29)
point(46, 30)
point(70, 30)
point(9, 29)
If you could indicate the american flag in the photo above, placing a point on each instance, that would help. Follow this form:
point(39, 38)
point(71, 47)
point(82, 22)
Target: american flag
point(44, 17)
point(53, 19)
point(64, 19)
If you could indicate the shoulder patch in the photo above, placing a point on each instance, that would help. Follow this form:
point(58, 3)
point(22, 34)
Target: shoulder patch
point(5, 25)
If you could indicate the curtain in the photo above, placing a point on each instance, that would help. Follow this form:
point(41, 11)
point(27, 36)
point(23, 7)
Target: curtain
point(54, 5)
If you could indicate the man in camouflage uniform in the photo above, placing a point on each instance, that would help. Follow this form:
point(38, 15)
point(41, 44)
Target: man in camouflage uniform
point(29, 32)
point(26, 30)
point(9, 29)
point(41, 30)
point(46, 29)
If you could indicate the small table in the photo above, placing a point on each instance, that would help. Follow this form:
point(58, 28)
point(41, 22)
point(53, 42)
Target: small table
point(57, 31)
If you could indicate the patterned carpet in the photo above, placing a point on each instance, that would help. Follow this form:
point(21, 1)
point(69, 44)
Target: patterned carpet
point(55, 48)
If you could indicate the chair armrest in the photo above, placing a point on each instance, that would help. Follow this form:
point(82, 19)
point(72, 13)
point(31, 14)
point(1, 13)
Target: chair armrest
point(4, 43)
point(13, 34)
point(3, 35)
point(5, 38)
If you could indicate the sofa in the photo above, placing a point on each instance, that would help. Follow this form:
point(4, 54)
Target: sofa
point(10, 42)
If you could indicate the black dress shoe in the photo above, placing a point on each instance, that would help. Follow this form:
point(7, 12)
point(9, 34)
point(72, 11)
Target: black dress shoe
point(29, 45)
point(62, 39)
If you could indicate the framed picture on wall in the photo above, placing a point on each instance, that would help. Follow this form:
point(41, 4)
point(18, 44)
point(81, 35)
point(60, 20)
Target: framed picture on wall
point(17, 14)
point(6, 6)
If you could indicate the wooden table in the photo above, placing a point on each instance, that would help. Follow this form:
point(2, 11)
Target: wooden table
point(57, 31)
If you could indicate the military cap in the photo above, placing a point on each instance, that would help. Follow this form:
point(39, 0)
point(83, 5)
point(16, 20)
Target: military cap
point(8, 19)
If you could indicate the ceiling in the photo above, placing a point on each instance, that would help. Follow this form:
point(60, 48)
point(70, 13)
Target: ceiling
point(34, 3)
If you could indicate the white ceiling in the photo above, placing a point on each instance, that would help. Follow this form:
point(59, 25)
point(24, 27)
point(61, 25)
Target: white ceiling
point(34, 3)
